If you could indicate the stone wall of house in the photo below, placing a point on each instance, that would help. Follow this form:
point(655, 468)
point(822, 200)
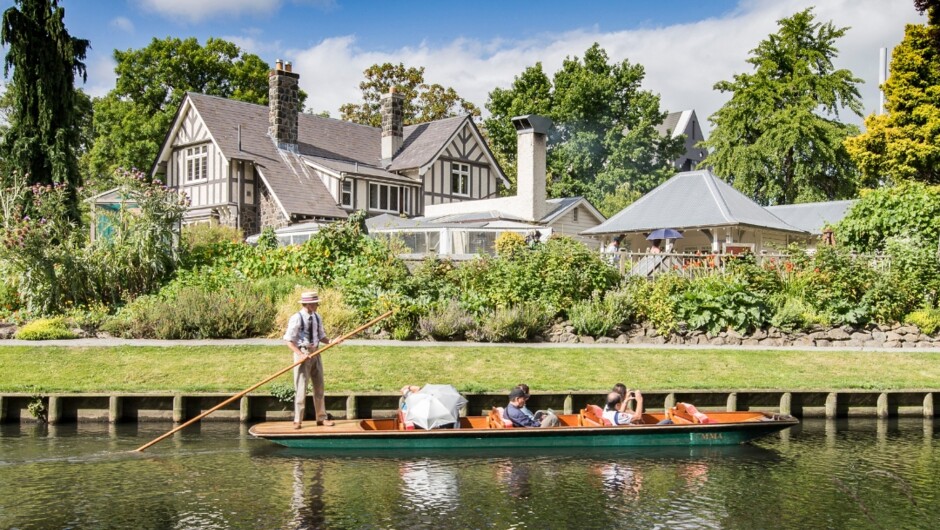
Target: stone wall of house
point(270, 214)
point(251, 221)
point(871, 336)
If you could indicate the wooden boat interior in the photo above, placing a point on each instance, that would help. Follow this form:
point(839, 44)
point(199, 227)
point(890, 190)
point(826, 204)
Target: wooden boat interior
point(591, 416)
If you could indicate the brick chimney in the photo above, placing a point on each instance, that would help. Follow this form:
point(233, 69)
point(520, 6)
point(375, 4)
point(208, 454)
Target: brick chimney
point(392, 124)
point(532, 135)
point(283, 105)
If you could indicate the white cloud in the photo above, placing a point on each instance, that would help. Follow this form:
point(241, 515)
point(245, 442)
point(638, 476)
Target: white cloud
point(101, 76)
point(682, 61)
point(123, 24)
point(198, 10)
point(248, 44)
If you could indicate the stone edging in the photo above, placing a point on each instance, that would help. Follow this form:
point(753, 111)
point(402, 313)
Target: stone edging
point(871, 336)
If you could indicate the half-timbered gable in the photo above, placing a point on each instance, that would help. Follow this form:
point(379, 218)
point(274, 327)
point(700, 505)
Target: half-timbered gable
point(453, 161)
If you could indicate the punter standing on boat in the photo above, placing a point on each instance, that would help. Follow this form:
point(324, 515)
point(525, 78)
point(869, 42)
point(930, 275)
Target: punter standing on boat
point(304, 335)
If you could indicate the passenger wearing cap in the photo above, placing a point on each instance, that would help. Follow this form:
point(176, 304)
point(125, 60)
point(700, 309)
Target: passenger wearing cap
point(515, 414)
point(304, 335)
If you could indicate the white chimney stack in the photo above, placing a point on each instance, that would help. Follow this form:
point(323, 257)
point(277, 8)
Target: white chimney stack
point(532, 136)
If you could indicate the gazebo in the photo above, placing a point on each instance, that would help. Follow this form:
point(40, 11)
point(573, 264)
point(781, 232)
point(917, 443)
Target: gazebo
point(712, 216)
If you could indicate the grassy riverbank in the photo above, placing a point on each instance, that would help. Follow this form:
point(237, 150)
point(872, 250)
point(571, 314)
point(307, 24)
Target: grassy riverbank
point(374, 368)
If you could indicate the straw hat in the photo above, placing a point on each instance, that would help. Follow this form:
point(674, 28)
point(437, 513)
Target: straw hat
point(309, 298)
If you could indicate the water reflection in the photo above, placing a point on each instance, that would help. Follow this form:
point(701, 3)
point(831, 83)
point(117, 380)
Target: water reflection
point(844, 474)
point(514, 477)
point(620, 480)
point(307, 499)
point(428, 486)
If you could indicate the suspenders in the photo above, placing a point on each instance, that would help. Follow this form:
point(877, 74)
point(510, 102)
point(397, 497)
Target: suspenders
point(303, 322)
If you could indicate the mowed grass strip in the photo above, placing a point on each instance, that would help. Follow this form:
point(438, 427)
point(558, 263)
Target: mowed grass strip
point(386, 369)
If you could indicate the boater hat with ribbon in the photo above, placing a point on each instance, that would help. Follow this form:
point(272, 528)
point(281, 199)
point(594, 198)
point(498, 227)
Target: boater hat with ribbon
point(309, 298)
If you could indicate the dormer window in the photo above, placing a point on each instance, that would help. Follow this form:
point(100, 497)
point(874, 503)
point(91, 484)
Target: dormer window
point(197, 161)
point(460, 179)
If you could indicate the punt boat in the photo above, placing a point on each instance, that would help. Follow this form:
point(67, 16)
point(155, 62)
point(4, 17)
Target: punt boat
point(585, 429)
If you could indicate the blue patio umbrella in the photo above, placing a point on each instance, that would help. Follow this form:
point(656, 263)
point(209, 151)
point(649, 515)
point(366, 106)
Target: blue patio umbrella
point(664, 233)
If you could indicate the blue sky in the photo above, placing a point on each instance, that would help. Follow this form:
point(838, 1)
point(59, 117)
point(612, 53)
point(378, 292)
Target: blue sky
point(685, 46)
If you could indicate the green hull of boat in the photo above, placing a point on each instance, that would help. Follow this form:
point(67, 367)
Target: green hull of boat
point(653, 436)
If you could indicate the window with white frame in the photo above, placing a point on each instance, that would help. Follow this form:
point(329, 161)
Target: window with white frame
point(197, 162)
point(346, 194)
point(383, 197)
point(575, 215)
point(460, 179)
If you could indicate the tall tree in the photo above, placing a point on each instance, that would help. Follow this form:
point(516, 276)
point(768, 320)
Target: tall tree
point(904, 144)
point(131, 121)
point(779, 139)
point(422, 102)
point(932, 8)
point(604, 145)
point(43, 135)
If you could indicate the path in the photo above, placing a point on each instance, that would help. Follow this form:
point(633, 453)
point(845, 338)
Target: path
point(93, 343)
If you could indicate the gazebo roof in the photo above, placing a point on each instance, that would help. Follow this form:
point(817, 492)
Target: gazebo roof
point(691, 200)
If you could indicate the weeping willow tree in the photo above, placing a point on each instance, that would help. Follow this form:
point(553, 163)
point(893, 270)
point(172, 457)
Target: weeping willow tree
point(44, 130)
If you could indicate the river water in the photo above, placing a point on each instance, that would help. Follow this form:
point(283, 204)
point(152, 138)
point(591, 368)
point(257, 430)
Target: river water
point(823, 474)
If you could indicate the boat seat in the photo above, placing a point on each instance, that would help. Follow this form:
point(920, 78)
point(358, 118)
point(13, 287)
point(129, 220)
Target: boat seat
point(404, 425)
point(497, 420)
point(595, 414)
point(686, 413)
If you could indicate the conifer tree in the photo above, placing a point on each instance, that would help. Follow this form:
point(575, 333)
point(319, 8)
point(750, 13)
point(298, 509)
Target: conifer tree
point(44, 132)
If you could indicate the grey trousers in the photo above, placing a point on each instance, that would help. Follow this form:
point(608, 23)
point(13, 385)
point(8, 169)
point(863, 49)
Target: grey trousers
point(310, 372)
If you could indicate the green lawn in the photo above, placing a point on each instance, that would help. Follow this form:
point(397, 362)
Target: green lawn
point(373, 368)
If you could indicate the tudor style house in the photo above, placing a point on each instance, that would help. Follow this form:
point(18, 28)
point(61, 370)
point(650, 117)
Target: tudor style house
point(253, 166)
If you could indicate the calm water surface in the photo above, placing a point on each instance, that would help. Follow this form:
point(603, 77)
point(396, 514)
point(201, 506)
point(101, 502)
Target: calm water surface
point(846, 474)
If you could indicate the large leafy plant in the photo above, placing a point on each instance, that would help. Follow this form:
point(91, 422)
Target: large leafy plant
point(716, 303)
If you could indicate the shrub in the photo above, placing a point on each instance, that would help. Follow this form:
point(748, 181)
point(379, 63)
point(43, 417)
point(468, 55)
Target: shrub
point(446, 321)
point(513, 324)
point(9, 298)
point(45, 329)
point(234, 312)
point(928, 320)
point(434, 278)
point(553, 275)
point(838, 284)
point(656, 300)
point(284, 392)
point(508, 243)
point(794, 314)
point(909, 209)
point(338, 318)
point(89, 318)
point(277, 288)
point(716, 303)
point(602, 315)
point(195, 236)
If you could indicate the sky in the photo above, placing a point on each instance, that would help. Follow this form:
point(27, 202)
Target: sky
point(685, 46)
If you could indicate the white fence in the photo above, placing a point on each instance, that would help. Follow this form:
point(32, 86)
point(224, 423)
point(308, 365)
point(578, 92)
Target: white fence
point(697, 264)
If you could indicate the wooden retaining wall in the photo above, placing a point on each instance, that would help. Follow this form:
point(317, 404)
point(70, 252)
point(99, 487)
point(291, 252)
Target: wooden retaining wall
point(117, 408)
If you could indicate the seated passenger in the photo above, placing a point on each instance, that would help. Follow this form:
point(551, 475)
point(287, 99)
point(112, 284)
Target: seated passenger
point(615, 410)
point(519, 419)
point(406, 391)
